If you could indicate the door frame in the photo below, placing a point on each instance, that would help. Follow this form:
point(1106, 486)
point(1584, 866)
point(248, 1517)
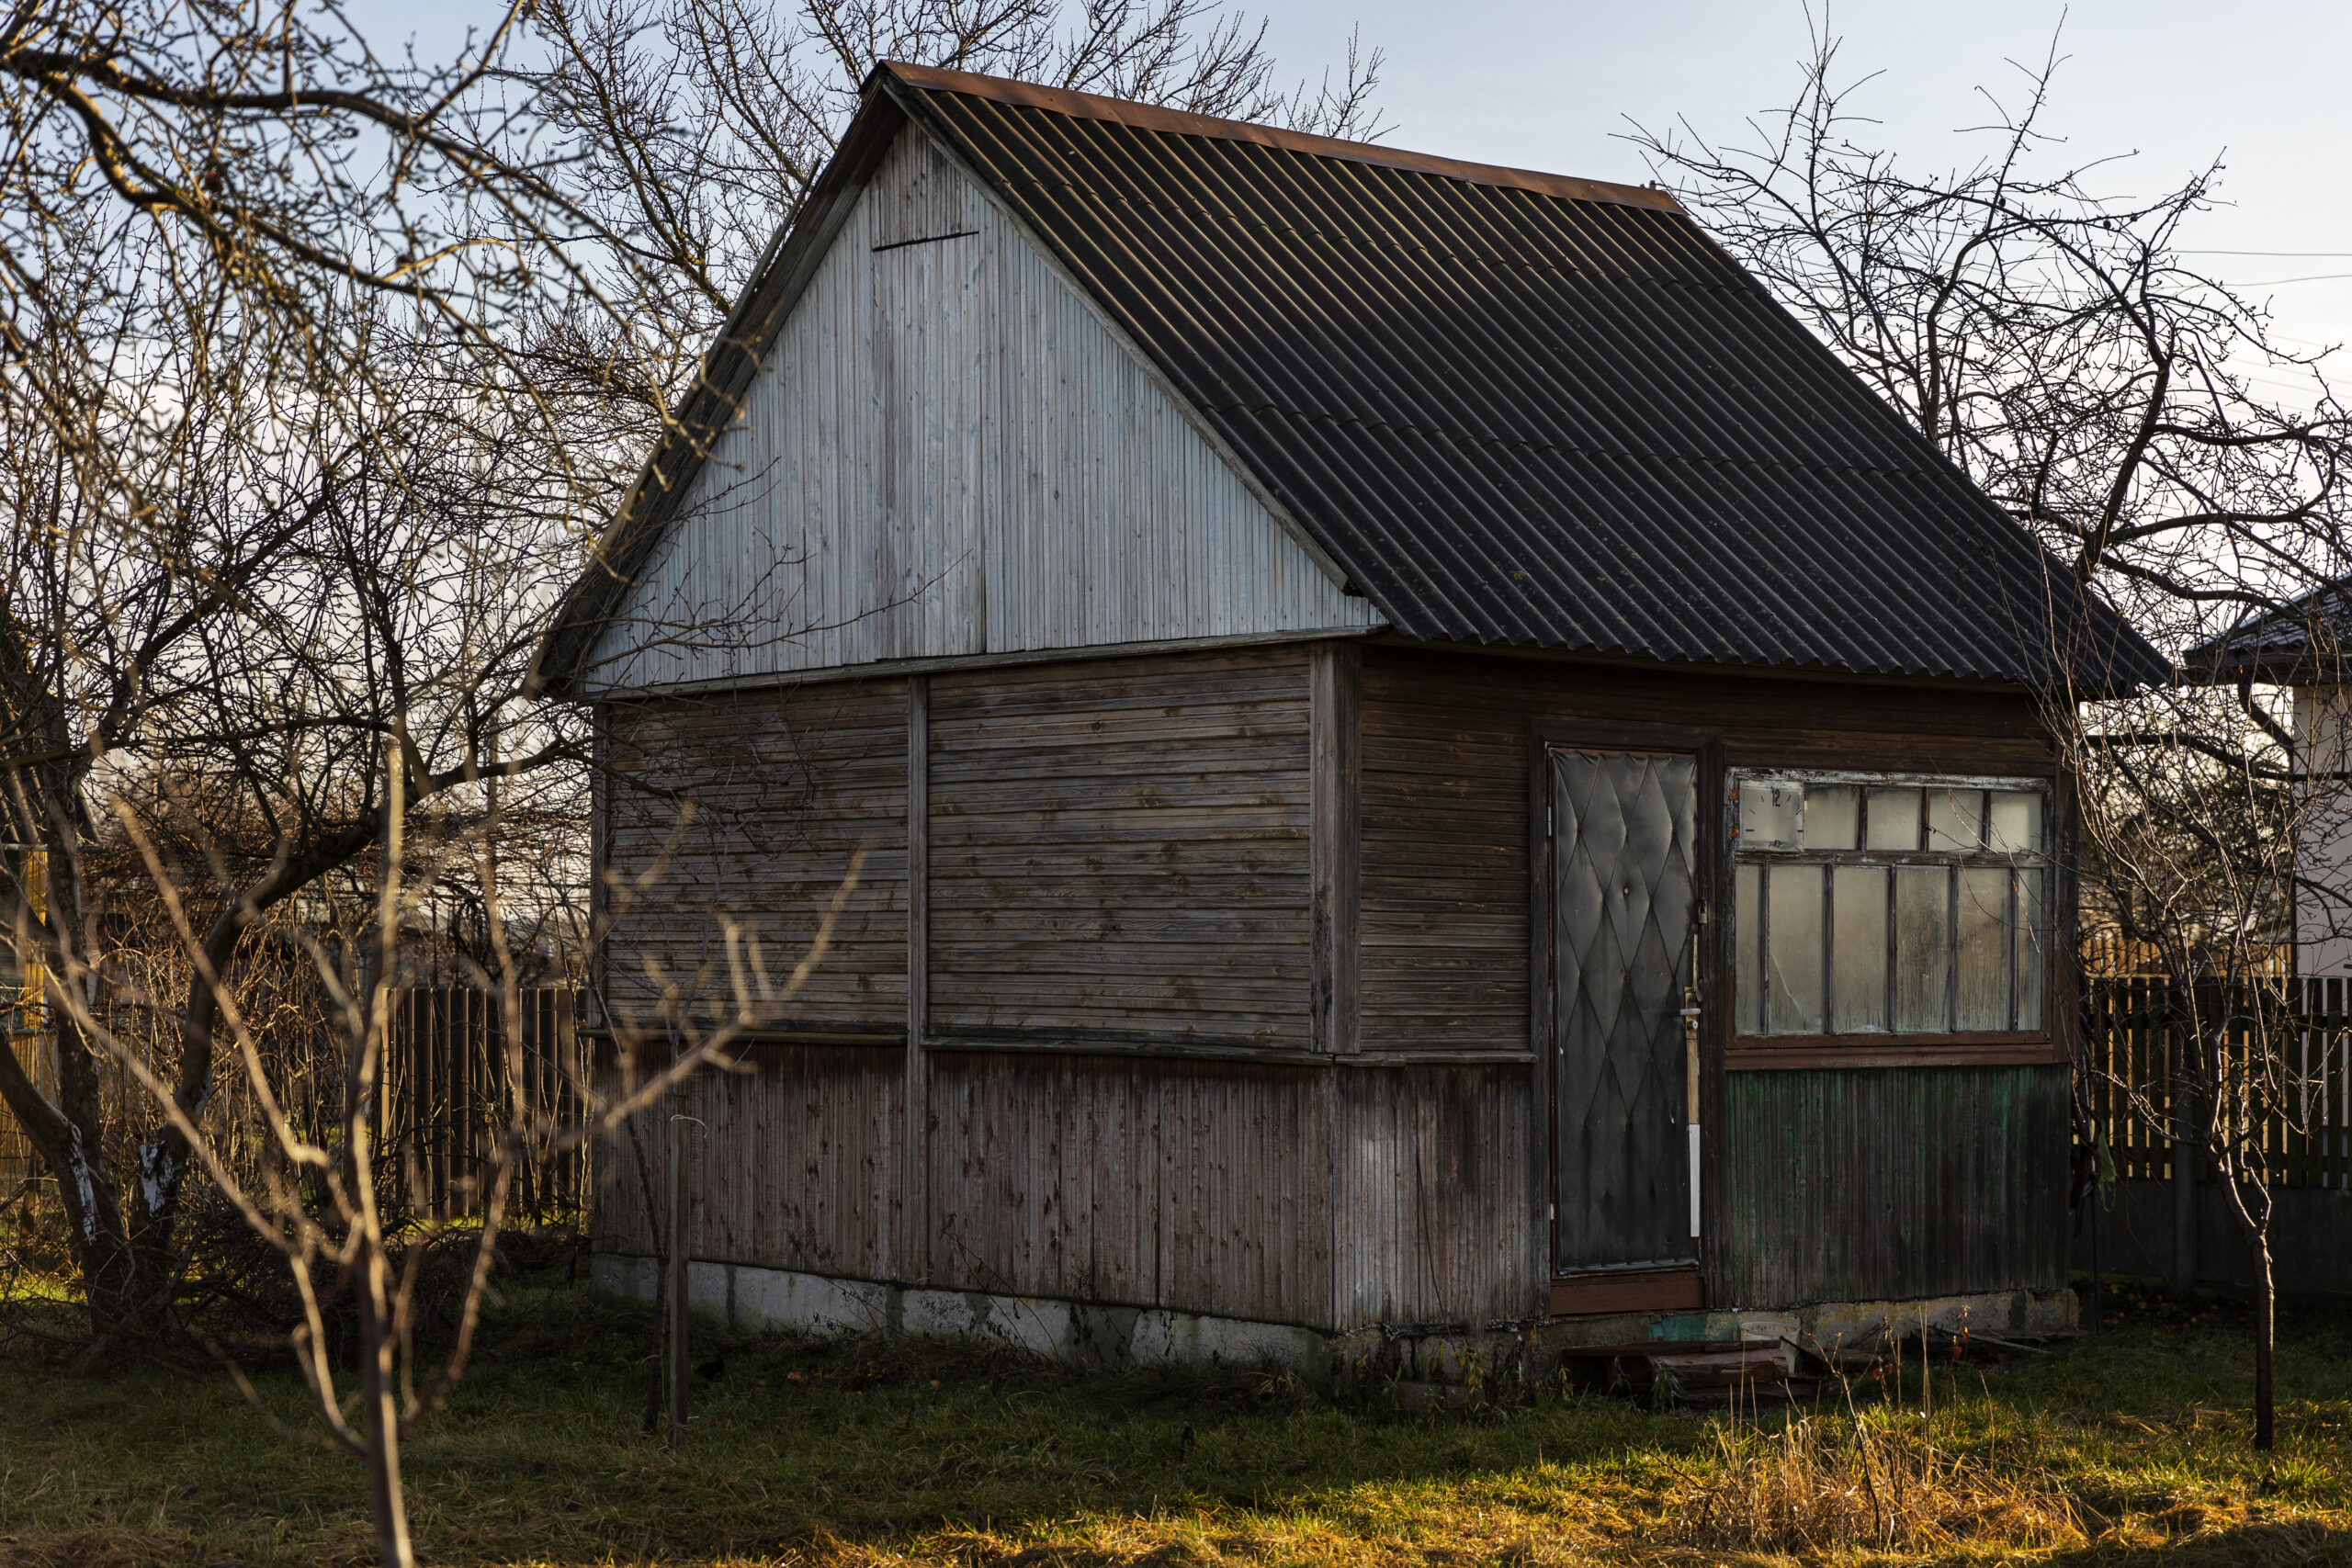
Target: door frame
point(1705, 745)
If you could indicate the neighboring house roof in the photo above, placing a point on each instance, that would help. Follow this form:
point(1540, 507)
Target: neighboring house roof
point(2303, 641)
point(1509, 407)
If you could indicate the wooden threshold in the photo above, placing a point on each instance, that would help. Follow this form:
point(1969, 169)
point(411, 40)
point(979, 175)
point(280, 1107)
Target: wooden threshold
point(1628, 1289)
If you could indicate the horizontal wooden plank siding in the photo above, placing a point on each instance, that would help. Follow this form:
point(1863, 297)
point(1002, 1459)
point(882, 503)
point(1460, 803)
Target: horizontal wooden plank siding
point(1192, 1186)
point(1432, 1172)
point(792, 1165)
point(1446, 743)
point(1442, 931)
point(1121, 848)
point(747, 808)
point(1861, 1185)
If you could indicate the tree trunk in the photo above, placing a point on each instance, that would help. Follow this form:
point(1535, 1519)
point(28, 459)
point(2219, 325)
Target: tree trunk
point(388, 1509)
point(2250, 1205)
point(2187, 1139)
point(2266, 1330)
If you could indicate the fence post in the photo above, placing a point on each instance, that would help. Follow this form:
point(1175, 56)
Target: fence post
point(2181, 1100)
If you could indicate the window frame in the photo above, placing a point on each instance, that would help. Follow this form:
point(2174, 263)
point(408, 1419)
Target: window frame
point(2036, 1044)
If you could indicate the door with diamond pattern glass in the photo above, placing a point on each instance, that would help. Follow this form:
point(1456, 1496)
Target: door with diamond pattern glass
point(1624, 901)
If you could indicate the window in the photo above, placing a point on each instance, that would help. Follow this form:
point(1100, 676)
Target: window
point(1881, 904)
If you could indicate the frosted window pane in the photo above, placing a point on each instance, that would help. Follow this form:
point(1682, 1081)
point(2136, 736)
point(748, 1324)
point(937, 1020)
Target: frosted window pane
point(1983, 992)
point(1769, 810)
point(1955, 819)
point(2033, 933)
point(1748, 945)
point(2016, 821)
point(1793, 989)
point(1922, 948)
point(1833, 815)
point(1858, 948)
point(1893, 819)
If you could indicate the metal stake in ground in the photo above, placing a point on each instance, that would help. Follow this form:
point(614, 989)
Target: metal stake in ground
point(678, 1120)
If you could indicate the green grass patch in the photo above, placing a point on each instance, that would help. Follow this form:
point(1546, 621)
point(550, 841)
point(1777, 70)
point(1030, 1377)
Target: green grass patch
point(869, 1451)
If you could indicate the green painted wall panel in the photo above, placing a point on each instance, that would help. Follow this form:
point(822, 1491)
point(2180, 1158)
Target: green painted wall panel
point(1893, 1183)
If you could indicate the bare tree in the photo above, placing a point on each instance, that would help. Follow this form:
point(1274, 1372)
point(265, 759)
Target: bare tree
point(2053, 343)
point(280, 493)
point(320, 372)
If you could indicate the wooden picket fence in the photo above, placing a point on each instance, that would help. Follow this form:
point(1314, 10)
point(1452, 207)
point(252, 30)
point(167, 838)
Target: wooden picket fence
point(447, 1099)
point(2305, 1136)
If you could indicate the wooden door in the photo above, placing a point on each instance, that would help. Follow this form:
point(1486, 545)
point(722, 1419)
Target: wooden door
point(1624, 907)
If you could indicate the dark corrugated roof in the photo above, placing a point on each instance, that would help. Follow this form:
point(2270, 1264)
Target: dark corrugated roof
point(1513, 407)
point(2307, 639)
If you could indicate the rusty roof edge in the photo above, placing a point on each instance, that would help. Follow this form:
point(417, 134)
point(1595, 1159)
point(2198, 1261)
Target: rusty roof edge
point(1182, 122)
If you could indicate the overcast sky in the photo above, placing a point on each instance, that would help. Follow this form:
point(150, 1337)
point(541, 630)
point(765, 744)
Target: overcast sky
point(2174, 84)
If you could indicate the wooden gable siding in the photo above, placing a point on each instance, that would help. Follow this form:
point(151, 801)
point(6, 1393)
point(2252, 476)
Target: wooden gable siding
point(948, 453)
point(787, 785)
point(1446, 744)
point(1121, 849)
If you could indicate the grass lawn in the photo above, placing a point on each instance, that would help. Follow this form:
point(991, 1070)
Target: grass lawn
point(2129, 1446)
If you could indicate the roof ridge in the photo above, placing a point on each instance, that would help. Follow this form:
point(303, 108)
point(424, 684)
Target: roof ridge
point(1491, 257)
point(1184, 122)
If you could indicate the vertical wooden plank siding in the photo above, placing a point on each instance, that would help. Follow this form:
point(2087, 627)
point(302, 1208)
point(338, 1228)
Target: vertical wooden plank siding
point(792, 1165)
point(1859, 1184)
point(1120, 849)
point(1143, 1181)
point(1431, 1187)
point(917, 1212)
point(1335, 840)
point(744, 811)
point(948, 452)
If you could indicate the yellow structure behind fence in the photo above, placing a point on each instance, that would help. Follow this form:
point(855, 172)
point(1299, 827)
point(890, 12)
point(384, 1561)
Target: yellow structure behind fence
point(22, 1000)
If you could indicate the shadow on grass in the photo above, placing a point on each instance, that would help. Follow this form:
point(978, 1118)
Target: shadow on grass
point(2244, 1545)
point(873, 1450)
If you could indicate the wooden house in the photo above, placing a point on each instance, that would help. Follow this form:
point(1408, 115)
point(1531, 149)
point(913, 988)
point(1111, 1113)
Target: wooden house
point(2301, 646)
point(1430, 765)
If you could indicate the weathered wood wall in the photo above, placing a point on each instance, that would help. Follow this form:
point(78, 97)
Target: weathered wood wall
point(1446, 748)
point(748, 808)
point(1433, 1175)
point(792, 1165)
point(1898, 1183)
point(1448, 741)
point(1196, 1185)
point(1121, 849)
point(948, 452)
point(1136, 1076)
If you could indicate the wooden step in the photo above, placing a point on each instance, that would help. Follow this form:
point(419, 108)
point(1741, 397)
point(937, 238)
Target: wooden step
point(1709, 1371)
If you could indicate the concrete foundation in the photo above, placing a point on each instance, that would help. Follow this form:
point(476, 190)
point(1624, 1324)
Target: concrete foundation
point(1089, 1334)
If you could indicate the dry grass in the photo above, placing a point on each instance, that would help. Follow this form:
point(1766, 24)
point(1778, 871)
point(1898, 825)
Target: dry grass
point(2129, 1451)
point(1876, 1480)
